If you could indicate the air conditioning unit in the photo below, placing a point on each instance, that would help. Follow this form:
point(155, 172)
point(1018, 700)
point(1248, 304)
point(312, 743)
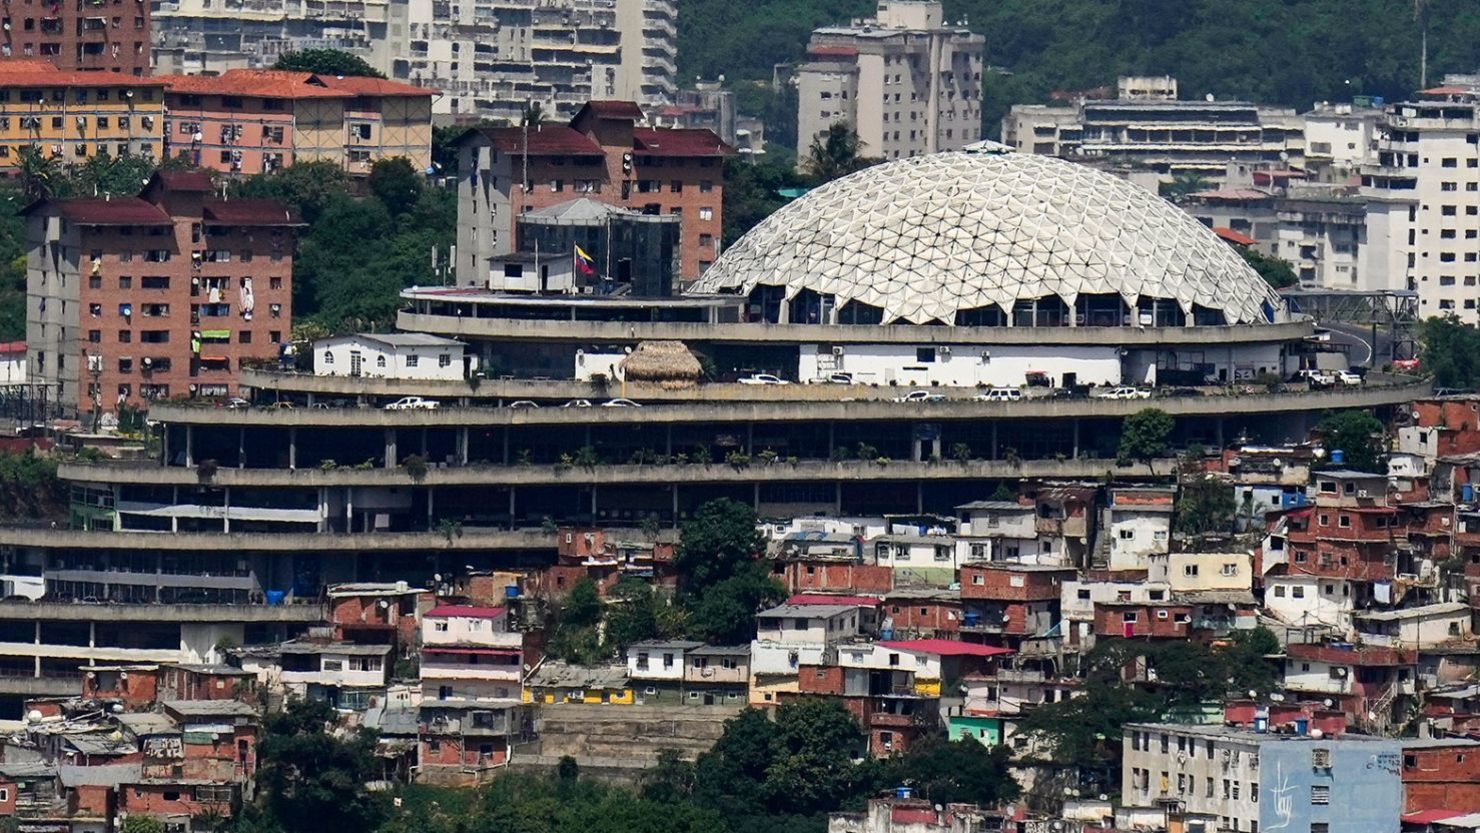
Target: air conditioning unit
point(837, 351)
point(944, 350)
point(1362, 493)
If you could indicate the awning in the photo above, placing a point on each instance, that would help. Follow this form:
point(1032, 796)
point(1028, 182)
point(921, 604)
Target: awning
point(215, 334)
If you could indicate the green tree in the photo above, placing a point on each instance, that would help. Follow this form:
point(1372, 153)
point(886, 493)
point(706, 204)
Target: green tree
point(724, 614)
point(835, 155)
point(1182, 185)
point(396, 184)
point(326, 62)
point(307, 187)
point(137, 823)
point(533, 115)
point(1204, 504)
point(1451, 352)
point(948, 772)
point(715, 543)
point(1357, 434)
point(1276, 271)
point(40, 175)
point(752, 193)
point(311, 779)
point(1143, 436)
point(639, 612)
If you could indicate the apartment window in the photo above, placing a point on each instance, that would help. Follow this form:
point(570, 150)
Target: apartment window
point(125, 336)
point(95, 336)
point(1297, 592)
point(1449, 162)
point(1189, 569)
point(1344, 521)
point(411, 361)
point(706, 186)
point(1447, 210)
point(274, 283)
point(244, 337)
point(1229, 570)
point(706, 213)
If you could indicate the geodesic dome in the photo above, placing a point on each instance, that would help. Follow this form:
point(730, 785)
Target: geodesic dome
point(927, 237)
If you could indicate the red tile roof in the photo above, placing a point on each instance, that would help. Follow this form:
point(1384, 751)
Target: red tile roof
point(250, 212)
point(611, 110)
point(830, 599)
point(10, 347)
point(443, 611)
point(261, 83)
point(360, 85)
point(36, 73)
point(546, 140)
point(96, 211)
point(947, 648)
point(1234, 237)
point(1430, 816)
point(648, 141)
point(832, 51)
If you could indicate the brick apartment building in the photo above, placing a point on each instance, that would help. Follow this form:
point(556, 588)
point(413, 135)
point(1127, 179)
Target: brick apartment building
point(249, 121)
point(99, 36)
point(162, 295)
point(604, 154)
point(1002, 603)
point(72, 116)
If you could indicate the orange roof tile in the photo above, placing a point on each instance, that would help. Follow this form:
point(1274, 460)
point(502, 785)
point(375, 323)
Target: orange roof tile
point(37, 73)
point(360, 85)
point(261, 83)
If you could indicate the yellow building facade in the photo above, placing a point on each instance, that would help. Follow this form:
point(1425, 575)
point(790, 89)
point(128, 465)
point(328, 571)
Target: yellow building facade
point(74, 116)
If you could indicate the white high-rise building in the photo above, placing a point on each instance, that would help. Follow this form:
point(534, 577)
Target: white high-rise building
point(489, 58)
point(1423, 203)
point(906, 81)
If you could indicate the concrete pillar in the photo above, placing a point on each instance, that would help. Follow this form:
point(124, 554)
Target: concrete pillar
point(915, 449)
point(323, 509)
point(668, 440)
point(507, 429)
point(993, 455)
point(92, 634)
point(37, 642)
point(750, 438)
point(164, 445)
point(349, 510)
point(511, 507)
point(293, 448)
point(1218, 432)
point(189, 445)
point(158, 571)
point(226, 509)
point(674, 492)
point(424, 444)
point(241, 447)
point(755, 496)
point(1076, 439)
point(838, 498)
point(174, 519)
point(462, 446)
point(392, 456)
point(429, 508)
point(593, 503)
point(919, 497)
point(831, 439)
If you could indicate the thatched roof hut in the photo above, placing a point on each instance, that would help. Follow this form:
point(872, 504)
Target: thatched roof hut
point(666, 363)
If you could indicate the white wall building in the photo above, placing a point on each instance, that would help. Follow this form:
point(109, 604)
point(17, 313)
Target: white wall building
point(789, 636)
point(1311, 600)
point(908, 82)
point(1138, 527)
point(12, 363)
point(1341, 136)
point(1423, 202)
point(962, 365)
point(1428, 626)
point(660, 661)
point(393, 356)
point(1187, 572)
point(484, 627)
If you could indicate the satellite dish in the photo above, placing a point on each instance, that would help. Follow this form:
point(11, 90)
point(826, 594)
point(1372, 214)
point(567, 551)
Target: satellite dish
point(33, 716)
point(1208, 97)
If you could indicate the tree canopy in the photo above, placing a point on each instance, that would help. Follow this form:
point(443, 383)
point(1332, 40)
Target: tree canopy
point(1275, 271)
point(1358, 435)
point(327, 62)
point(1451, 352)
point(313, 780)
point(1143, 436)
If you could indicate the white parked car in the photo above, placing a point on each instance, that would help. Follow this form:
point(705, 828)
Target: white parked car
point(577, 403)
point(523, 403)
point(1347, 377)
point(413, 403)
point(620, 403)
point(1317, 378)
point(839, 379)
point(763, 379)
point(919, 396)
point(1126, 393)
point(1000, 395)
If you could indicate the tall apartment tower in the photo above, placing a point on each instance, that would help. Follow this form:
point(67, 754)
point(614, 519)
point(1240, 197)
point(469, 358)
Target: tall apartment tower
point(906, 81)
point(1423, 202)
point(99, 36)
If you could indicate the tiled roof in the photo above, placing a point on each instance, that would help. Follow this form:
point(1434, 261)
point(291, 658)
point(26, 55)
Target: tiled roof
point(651, 141)
point(35, 73)
point(612, 110)
point(545, 140)
point(261, 83)
point(1234, 237)
point(361, 85)
point(124, 211)
point(250, 212)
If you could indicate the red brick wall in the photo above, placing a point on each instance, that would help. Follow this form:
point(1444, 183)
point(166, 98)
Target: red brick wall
point(130, 36)
point(166, 799)
point(7, 806)
point(925, 615)
point(1109, 621)
point(1441, 779)
point(820, 679)
point(803, 576)
point(111, 327)
point(139, 690)
point(89, 800)
point(979, 582)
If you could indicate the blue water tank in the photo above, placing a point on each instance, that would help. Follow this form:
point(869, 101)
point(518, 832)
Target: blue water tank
point(972, 619)
point(903, 793)
point(511, 591)
point(1261, 725)
point(275, 597)
point(1302, 726)
point(1467, 493)
point(886, 633)
point(1338, 456)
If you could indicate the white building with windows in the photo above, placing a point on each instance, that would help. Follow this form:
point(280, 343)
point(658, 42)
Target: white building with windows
point(1423, 202)
point(1140, 524)
point(393, 356)
point(907, 81)
point(791, 635)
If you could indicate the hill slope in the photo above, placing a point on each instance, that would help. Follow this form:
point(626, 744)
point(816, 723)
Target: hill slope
point(1291, 52)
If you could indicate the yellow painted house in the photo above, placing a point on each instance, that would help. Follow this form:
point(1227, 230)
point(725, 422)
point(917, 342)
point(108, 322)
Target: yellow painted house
point(555, 682)
point(74, 116)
